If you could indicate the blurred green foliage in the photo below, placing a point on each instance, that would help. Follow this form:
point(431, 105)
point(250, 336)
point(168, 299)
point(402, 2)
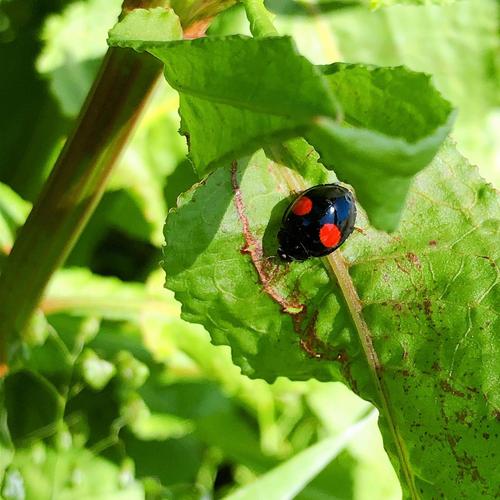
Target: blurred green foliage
point(113, 395)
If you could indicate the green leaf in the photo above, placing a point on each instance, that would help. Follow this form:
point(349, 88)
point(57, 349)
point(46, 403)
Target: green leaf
point(459, 50)
point(172, 461)
point(395, 122)
point(394, 118)
point(79, 292)
point(97, 372)
point(290, 477)
point(44, 473)
point(131, 371)
point(427, 354)
point(142, 26)
point(250, 107)
point(216, 419)
point(33, 406)
point(242, 320)
point(74, 42)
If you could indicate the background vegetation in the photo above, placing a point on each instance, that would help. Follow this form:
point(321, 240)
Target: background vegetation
point(112, 394)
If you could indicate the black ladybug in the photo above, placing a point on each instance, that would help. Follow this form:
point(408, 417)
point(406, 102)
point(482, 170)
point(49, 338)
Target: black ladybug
point(317, 222)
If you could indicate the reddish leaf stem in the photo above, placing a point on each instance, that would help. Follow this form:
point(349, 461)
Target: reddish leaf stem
point(78, 179)
point(74, 187)
point(253, 247)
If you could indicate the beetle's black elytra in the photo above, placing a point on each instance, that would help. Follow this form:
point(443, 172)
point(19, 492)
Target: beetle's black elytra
point(317, 222)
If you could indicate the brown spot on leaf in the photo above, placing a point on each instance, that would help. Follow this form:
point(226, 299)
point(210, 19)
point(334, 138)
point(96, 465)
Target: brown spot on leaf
point(309, 341)
point(428, 309)
point(414, 260)
point(445, 385)
point(464, 462)
point(433, 243)
point(493, 264)
point(304, 344)
point(343, 358)
point(297, 320)
point(401, 267)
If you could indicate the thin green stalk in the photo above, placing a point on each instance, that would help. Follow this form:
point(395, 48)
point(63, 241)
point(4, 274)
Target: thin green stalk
point(261, 24)
point(338, 267)
point(74, 187)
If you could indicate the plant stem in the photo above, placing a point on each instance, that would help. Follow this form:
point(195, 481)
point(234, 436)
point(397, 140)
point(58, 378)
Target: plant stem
point(259, 17)
point(74, 187)
point(76, 184)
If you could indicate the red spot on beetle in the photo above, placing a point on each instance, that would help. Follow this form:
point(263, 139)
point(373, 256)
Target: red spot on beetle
point(329, 235)
point(303, 206)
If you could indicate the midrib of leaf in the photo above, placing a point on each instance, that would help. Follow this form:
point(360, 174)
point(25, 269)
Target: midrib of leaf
point(338, 269)
point(262, 26)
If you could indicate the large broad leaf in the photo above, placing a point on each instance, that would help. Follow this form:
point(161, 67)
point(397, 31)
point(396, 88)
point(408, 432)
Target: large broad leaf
point(261, 87)
point(389, 113)
point(421, 340)
point(459, 49)
point(456, 43)
point(264, 92)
